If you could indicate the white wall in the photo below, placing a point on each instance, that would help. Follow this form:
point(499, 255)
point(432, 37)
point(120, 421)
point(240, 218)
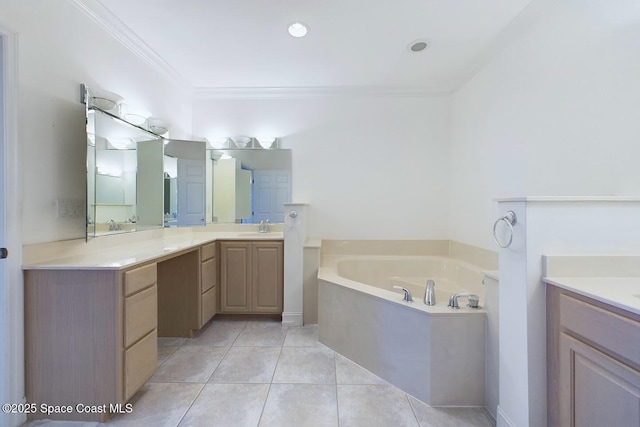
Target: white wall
point(369, 166)
point(555, 113)
point(59, 48)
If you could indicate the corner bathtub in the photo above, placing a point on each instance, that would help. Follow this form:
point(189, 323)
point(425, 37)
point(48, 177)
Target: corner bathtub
point(435, 353)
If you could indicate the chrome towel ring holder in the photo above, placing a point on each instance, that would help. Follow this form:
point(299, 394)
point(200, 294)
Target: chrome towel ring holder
point(510, 219)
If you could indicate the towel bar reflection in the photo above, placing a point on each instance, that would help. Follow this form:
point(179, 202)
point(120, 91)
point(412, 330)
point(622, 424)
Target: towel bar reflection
point(510, 219)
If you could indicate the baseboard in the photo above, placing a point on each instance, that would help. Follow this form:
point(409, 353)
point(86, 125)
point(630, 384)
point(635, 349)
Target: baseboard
point(503, 420)
point(291, 319)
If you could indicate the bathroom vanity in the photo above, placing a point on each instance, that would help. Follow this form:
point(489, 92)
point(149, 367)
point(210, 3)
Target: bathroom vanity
point(92, 320)
point(593, 351)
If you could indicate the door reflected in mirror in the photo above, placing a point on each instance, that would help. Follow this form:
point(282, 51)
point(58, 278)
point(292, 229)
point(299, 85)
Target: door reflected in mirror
point(251, 185)
point(184, 183)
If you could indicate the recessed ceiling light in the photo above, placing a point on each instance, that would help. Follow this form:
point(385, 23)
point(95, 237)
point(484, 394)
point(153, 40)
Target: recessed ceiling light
point(298, 29)
point(418, 45)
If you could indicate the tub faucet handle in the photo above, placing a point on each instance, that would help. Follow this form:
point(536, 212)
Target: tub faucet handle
point(429, 295)
point(407, 293)
point(473, 300)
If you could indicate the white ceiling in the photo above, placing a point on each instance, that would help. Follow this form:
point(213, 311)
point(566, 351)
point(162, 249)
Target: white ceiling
point(351, 43)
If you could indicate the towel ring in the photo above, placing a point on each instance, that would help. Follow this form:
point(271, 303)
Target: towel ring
point(510, 219)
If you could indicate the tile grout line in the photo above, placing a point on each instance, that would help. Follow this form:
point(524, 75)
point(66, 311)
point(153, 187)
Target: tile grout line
point(415, 415)
point(191, 404)
point(264, 405)
point(335, 367)
point(208, 379)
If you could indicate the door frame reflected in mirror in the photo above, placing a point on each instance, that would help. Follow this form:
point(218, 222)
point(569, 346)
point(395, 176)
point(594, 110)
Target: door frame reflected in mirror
point(236, 197)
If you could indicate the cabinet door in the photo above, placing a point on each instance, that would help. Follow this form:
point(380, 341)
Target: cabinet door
point(235, 277)
point(596, 390)
point(267, 277)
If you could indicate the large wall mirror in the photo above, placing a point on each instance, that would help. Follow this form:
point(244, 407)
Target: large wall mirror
point(138, 181)
point(250, 185)
point(124, 173)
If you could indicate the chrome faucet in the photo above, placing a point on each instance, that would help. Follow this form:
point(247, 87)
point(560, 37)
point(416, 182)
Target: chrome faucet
point(473, 300)
point(264, 227)
point(429, 295)
point(407, 293)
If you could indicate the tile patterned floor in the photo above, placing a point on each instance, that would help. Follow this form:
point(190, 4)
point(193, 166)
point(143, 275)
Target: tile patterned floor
point(238, 373)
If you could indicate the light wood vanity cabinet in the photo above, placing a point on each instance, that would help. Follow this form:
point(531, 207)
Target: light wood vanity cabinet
point(140, 327)
point(251, 276)
point(90, 336)
point(593, 362)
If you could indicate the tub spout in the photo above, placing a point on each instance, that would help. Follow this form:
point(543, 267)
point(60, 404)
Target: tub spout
point(407, 293)
point(473, 300)
point(429, 295)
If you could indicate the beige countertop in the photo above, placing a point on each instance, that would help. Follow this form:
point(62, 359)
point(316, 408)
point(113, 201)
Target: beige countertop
point(128, 255)
point(621, 292)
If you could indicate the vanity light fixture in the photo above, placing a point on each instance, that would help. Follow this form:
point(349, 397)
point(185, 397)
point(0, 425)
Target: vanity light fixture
point(158, 126)
point(134, 115)
point(266, 142)
point(298, 29)
point(241, 141)
point(122, 143)
point(106, 101)
point(218, 142)
point(225, 156)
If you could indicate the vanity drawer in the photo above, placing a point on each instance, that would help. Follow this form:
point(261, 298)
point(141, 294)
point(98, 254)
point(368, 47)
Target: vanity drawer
point(140, 278)
point(208, 251)
point(140, 363)
point(208, 274)
point(208, 305)
point(140, 314)
point(616, 333)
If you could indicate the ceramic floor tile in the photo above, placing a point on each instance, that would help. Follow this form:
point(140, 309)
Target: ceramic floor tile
point(247, 365)
point(374, 405)
point(308, 365)
point(429, 416)
point(300, 405)
point(158, 405)
point(49, 423)
point(190, 364)
point(305, 336)
point(218, 333)
point(348, 372)
point(227, 405)
point(170, 342)
point(164, 353)
point(262, 334)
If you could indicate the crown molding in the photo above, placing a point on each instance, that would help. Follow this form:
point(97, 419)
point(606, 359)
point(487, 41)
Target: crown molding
point(102, 16)
point(301, 92)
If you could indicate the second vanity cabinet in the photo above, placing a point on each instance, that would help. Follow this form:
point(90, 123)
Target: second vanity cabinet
point(593, 362)
point(251, 276)
point(208, 283)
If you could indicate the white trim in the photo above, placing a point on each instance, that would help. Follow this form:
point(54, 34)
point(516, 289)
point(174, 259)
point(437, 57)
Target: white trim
point(102, 16)
point(503, 420)
point(209, 93)
point(12, 368)
point(291, 319)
